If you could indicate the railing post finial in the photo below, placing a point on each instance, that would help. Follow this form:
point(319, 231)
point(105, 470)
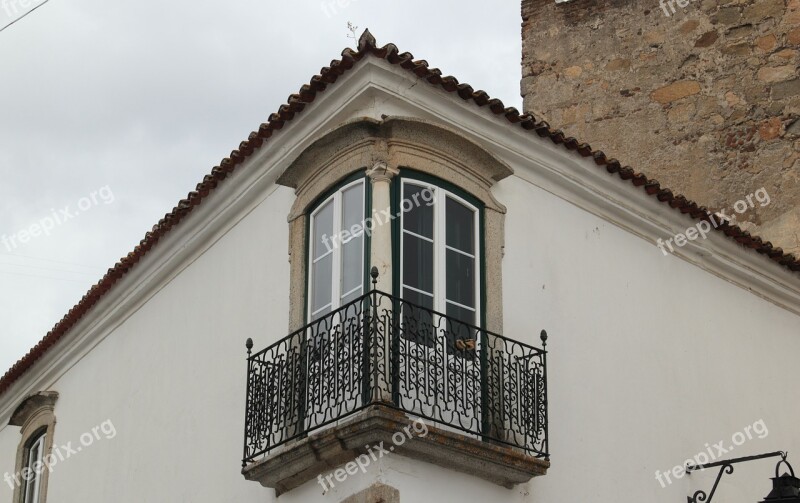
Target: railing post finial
point(249, 345)
point(374, 274)
point(543, 336)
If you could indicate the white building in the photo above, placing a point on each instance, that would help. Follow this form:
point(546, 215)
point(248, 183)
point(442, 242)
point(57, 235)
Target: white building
point(485, 216)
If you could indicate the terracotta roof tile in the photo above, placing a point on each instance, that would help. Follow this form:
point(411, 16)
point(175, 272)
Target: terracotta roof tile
point(296, 103)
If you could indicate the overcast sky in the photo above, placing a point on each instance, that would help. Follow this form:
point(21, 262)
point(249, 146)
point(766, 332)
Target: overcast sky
point(112, 111)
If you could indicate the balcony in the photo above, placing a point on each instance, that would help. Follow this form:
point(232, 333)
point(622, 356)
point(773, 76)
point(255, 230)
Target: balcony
point(377, 360)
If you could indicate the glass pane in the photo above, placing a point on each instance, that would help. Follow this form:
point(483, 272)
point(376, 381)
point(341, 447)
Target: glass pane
point(351, 297)
point(460, 223)
point(461, 339)
point(353, 245)
point(323, 230)
point(417, 323)
point(322, 274)
point(460, 314)
point(460, 278)
point(34, 456)
point(417, 263)
point(417, 298)
point(353, 207)
point(352, 265)
point(417, 208)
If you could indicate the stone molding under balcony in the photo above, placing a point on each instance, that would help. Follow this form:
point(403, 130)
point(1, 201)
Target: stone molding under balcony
point(325, 450)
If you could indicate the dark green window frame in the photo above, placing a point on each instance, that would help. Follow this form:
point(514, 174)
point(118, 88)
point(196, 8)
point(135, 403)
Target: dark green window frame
point(312, 208)
point(397, 234)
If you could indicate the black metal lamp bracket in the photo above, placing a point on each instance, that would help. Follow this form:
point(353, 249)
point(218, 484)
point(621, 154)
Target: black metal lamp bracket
point(725, 467)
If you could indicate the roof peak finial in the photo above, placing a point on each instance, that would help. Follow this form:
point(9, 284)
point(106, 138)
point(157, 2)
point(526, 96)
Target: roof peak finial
point(366, 41)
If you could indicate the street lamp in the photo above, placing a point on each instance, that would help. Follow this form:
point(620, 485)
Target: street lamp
point(785, 488)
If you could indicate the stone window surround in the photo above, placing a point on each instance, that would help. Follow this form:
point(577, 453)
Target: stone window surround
point(36, 414)
point(376, 493)
point(380, 149)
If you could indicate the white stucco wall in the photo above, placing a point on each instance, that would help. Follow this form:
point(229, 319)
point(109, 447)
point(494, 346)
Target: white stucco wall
point(9, 441)
point(171, 379)
point(416, 481)
point(651, 358)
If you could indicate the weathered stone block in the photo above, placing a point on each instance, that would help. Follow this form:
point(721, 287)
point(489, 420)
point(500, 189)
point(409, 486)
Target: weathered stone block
point(740, 31)
point(771, 129)
point(792, 17)
point(767, 42)
point(682, 113)
point(376, 493)
point(707, 39)
point(689, 26)
point(784, 90)
point(675, 91)
point(573, 71)
point(793, 37)
point(654, 37)
point(776, 73)
point(727, 16)
point(764, 8)
point(740, 49)
point(618, 64)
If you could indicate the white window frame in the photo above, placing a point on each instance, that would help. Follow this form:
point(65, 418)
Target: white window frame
point(337, 265)
point(440, 247)
point(33, 487)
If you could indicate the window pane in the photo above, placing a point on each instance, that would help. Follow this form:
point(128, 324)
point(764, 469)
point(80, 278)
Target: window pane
point(322, 274)
point(417, 263)
point(417, 323)
point(353, 246)
point(353, 207)
point(460, 278)
point(351, 297)
point(460, 314)
point(337, 251)
point(352, 265)
point(323, 230)
point(461, 339)
point(417, 298)
point(460, 223)
point(419, 217)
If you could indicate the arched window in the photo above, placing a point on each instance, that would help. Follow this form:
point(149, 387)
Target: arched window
point(370, 155)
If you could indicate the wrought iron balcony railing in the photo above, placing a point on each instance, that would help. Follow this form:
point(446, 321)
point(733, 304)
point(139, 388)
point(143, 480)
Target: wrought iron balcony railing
point(382, 349)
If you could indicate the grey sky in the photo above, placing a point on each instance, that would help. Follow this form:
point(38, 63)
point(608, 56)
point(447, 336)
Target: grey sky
point(145, 97)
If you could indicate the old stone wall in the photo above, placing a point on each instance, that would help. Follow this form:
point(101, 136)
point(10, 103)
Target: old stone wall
point(705, 97)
